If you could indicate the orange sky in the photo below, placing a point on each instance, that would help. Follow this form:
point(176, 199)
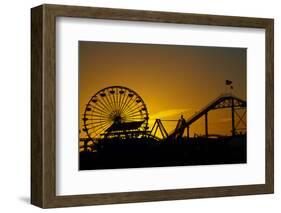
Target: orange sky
point(171, 79)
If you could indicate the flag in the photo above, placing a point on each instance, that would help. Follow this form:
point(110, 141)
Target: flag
point(228, 82)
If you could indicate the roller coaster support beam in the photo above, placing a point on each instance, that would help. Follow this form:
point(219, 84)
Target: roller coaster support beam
point(206, 124)
point(232, 117)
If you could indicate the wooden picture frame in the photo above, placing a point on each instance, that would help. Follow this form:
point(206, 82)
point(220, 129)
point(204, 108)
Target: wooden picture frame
point(43, 105)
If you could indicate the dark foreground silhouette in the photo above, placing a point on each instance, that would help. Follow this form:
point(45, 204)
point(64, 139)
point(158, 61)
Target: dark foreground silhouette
point(146, 152)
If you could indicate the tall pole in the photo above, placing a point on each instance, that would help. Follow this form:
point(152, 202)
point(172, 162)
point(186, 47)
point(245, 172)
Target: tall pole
point(232, 117)
point(206, 124)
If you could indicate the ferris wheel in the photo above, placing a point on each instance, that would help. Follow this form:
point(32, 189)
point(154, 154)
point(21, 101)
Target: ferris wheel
point(114, 106)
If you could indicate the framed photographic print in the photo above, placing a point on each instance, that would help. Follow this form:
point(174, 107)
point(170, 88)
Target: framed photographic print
point(136, 106)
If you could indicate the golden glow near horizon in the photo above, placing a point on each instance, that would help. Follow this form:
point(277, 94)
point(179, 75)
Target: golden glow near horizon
point(173, 80)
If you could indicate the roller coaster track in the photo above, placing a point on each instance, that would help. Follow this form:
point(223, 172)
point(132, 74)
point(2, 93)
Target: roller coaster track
point(218, 103)
point(223, 101)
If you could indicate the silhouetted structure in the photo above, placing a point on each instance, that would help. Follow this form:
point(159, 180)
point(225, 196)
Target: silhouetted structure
point(126, 142)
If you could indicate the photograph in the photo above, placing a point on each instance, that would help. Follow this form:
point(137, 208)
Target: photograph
point(159, 105)
point(169, 105)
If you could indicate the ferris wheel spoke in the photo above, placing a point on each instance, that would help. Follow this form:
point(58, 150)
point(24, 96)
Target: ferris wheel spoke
point(134, 119)
point(112, 101)
point(134, 116)
point(97, 108)
point(101, 119)
point(92, 108)
point(99, 112)
point(108, 102)
point(113, 98)
point(137, 109)
point(105, 104)
point(96, 119)
point(89, 125)
point(95, 128)
point(101, 109)
point(130, 104)
point(125, 101)
point(129, 119)
point(133, 109)
point(102, 127)
point(97, 123)
point(123, 98)
point(101, 131)
point(132, 113)
point(102, 105)
point(119, 99)
point(88, 114)
point(103, 98)
point(127, 109)
point(93, 134)
point(127, 104)
point(130, 99)
point(96, 114)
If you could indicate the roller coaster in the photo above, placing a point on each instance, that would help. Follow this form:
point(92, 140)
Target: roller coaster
point(118, 113)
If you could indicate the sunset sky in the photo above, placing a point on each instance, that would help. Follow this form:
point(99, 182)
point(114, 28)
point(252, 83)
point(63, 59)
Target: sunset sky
point(172, 80)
